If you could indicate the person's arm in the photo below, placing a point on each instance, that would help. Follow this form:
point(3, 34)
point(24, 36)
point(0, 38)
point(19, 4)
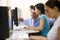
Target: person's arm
point(38, 38)
point(40, 27)
point(26, 22)
point(42, 21)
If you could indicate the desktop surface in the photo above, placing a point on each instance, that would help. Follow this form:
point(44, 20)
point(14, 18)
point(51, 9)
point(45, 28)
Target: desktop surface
point(21, 34)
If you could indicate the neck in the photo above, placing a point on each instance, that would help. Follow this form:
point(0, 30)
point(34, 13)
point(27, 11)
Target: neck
point(57, 15)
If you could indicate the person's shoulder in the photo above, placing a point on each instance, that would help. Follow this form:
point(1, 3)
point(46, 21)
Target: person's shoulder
point(43, 16)
point(28, 19)
point(57, 22)
point(58, 19)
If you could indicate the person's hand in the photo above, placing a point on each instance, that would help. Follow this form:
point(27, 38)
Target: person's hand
point(21, 19)
point(27, 28)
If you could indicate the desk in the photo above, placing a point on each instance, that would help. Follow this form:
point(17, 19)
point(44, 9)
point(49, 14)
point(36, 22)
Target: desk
point(19, 33)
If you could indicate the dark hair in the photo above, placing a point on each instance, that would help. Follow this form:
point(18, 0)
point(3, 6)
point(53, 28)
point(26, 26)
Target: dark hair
point(32, 7)
point(52, 4)
point(40, 6)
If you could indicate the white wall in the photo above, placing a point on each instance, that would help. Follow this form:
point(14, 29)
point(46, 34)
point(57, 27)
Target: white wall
point(23, 5)
point(3, 2)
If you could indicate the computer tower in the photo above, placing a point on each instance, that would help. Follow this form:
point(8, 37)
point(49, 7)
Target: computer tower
point(4, 26)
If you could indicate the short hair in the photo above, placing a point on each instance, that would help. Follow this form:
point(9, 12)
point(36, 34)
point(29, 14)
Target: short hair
point(40, 6)
point(32, 7)
point(52, 4)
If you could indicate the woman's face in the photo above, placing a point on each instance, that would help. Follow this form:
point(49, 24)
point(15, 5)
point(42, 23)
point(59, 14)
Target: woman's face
point(50, 12)
point(38, 12)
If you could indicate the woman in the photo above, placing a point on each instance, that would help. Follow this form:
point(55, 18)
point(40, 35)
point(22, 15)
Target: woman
point(44, 24)
point(52, 9)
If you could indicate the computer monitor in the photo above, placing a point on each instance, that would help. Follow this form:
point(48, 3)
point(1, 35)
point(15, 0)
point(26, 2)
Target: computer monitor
point(15, 16)
point(4, 26)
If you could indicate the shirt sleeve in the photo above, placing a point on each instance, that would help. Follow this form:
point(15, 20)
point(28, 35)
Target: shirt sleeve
point(43, 17)
point(10, 23)
point(26, 22)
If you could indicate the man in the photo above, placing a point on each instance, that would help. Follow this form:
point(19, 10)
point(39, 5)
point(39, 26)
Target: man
point(34, 21)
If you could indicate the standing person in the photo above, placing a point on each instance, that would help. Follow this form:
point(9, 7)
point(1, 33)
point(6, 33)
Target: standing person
point(44, 24)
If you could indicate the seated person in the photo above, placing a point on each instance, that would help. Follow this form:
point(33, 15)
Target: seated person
point(34, 21)
point(44, 24)
point(52, 9)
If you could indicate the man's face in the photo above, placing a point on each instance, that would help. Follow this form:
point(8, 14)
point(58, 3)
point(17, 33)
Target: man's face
point(32, 10)
point(33, 14)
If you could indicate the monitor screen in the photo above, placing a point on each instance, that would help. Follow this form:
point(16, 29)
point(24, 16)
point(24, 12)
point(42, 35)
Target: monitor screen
point(15, 16)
